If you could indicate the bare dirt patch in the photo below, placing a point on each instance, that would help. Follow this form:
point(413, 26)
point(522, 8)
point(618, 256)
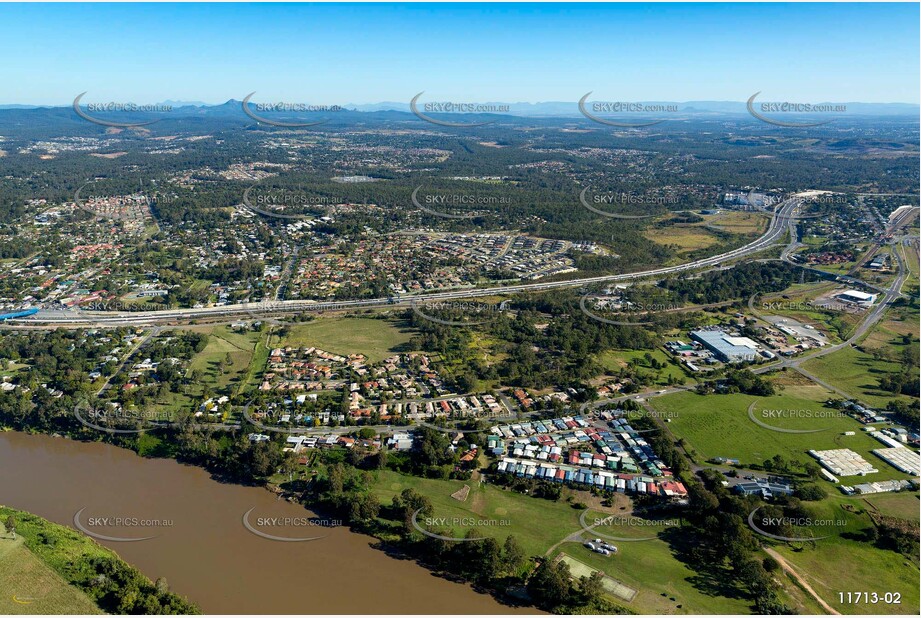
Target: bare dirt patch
point(462, 493)
point(108, 155)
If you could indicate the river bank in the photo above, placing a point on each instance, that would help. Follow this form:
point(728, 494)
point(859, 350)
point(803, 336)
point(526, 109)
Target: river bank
point(194, 535)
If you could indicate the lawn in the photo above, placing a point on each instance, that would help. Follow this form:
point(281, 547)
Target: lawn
point(29, 586)
point(719, 426)
point(857, 374)
point(664, 584)
point(846, 562)
point(623, 525)
point(10, 369)
point(536, 523)
point(377, 339)
point(655, 556)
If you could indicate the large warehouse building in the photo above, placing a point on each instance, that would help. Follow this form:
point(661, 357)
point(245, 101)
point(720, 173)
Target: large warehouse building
point(725, 347)
point(860, 298)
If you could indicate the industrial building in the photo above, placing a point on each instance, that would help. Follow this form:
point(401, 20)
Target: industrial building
point(861, 298)
point(764, 488)
point(725, 347)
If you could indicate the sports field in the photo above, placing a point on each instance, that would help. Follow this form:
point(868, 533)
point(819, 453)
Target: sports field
point(611, 586)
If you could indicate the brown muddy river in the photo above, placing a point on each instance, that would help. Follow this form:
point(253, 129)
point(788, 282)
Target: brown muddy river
point(200, 544)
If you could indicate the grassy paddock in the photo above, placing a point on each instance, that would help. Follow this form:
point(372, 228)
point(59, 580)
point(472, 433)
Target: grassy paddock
point(719, 426)
point(28, 586)
point(375, 338)
point(856, 373)
point(903, 505)
point(536, 523)
point(649, 567)
point(839, 566)
point(684, 238)
point(614, 360)
point(221, 344)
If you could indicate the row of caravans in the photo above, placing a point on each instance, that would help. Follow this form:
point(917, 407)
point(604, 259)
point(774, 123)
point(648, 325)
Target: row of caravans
point(519, 430)
point(580, 476)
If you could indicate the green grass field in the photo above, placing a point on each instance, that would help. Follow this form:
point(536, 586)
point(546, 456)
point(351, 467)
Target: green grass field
point(842, 521)
point(719, 426)
point(653, 556)
point(614, 528)
point(664, 584)
point(684, 238)
point(650, 567)
point(376, 339)
point(617, 590)
point(840, 565)
point(537, 523)
point(10, 369)
point(29, 586)
point(614, 360)
point(221, 343)
point(857, 374)
point(903, 504)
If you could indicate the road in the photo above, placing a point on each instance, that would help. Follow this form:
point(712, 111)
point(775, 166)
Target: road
point(890, 294)
point(802, 580)
point(783, 217)
point(121, 366)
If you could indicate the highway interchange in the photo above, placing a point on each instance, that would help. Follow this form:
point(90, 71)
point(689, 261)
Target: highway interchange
point(782, 220)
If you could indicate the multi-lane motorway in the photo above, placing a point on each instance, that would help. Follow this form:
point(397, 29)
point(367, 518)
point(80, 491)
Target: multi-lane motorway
point(781, 221)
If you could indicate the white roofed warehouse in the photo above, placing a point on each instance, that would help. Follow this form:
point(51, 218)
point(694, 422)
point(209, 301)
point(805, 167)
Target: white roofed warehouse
point(725, 347)
point(855, 296)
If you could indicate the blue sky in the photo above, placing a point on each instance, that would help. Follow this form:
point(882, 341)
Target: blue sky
point(363, 53)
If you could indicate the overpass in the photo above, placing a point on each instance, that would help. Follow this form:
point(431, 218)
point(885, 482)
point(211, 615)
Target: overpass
point(781, 221)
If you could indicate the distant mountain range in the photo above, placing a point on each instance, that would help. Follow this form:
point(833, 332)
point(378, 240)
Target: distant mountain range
point(563, 108)
point(548, 108)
